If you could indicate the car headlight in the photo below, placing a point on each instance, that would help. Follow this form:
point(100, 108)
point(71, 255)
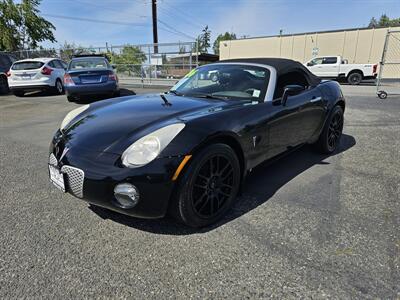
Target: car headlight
point(72, 114)
point(150, 146)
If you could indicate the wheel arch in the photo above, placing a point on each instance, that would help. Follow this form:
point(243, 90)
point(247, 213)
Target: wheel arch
point(230, 140)
point(356, 71)
point(341, 103)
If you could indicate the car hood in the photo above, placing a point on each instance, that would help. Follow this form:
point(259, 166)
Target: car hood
point(112, 125)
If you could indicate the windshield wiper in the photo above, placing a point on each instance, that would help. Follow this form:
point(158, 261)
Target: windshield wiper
point(209, 96)
point(175, 93)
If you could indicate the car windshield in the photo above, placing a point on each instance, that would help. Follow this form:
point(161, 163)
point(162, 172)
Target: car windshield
point(88, 63)
point(227, 81)
point(27, 65)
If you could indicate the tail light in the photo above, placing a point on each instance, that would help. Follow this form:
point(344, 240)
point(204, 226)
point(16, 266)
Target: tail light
point(68, 80)
point(112, 77)
point(374, 68)
point(8, 73)
point(47, 71)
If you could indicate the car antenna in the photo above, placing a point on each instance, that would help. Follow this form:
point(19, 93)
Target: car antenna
point(166, 102)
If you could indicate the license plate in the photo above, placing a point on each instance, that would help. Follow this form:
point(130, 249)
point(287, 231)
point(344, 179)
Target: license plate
point(26, 77)
point(57, 178)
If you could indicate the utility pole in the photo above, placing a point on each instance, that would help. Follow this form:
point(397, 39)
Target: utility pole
point(155, 33)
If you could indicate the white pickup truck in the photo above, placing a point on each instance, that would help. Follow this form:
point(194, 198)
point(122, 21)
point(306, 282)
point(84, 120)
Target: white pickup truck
point(336, 67)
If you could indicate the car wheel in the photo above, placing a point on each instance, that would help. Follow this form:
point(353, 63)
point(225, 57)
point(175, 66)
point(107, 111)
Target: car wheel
point(3, 85)
point(208, 186)
point(19, 93)
point(59, 88)
point(71, 98)
point(354, 78)
point(330, 136)
point(117, 94)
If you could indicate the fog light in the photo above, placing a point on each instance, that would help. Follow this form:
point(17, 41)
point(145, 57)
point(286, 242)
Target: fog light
point(126, 194)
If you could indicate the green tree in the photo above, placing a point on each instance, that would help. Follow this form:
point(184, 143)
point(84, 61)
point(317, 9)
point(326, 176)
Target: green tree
point(384, 21)
point(70, 49)
point(222, 37)
point(21, 27)
point(203, 40)
point(373, 23)
point(129, 60)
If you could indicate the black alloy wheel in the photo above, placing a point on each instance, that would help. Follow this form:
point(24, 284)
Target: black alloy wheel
point(354, 78)
point(329, 138)
point(335, 130)
point(208, 186)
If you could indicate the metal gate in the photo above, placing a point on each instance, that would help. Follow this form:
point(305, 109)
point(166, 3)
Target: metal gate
point(388, 81)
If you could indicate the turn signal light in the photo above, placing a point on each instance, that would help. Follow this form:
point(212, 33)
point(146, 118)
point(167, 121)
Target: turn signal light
point(112, 77)
point(374, 68)
point(68, 80)
point(47, 71)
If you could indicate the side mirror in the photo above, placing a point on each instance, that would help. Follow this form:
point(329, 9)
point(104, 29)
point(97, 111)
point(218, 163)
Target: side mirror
point(310, 64)
point(291, 90)
point(113, 66)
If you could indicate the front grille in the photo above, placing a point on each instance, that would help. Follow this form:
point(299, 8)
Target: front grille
point(74, 179)
point(53, 160)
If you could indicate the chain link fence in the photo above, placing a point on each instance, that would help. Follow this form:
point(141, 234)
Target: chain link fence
point(145, 64)
point(388, 81)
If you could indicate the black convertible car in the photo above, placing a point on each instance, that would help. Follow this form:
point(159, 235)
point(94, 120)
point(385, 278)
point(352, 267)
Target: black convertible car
point(188, 151)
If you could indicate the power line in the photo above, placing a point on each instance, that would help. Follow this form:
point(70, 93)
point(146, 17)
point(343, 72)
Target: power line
point(96, 20)
point(171, 30)
point(177, 31)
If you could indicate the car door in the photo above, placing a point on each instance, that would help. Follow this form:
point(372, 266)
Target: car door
point(297, 121)
point(330, 67)
point(315, 66)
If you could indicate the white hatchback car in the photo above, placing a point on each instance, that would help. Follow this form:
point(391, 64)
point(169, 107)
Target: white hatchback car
point(36, 74)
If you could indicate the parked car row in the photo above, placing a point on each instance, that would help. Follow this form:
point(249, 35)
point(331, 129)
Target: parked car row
point(84, 75)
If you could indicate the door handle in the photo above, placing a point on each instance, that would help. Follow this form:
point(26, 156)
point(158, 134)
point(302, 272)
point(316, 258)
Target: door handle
point(315, 99)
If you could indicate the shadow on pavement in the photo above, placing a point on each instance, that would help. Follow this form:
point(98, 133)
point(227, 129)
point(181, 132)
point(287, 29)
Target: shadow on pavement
point(259, 187)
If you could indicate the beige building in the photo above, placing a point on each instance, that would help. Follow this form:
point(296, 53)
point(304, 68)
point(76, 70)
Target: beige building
point(358, 45)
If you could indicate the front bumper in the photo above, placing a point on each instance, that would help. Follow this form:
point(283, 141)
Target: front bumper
point(92, 89)
point(103, 171)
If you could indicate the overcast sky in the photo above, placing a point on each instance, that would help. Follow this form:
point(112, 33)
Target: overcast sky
point(243, 17)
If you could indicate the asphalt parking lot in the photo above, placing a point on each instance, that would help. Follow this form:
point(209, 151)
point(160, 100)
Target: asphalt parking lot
point(306, 226)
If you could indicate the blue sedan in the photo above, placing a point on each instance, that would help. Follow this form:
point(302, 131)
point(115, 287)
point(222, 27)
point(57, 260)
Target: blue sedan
point(90, 75)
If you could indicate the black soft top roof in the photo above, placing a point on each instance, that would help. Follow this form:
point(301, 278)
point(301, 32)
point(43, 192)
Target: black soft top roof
point(281, 65)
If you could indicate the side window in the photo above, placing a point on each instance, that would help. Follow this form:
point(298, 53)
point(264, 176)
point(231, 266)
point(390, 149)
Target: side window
point(296, 77)
point(329, 60)
point(317, 61)
point(64, 64)
point(58, 64)
point(51, 64)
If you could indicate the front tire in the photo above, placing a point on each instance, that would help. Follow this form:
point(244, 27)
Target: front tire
point(208, 186)
point(329, 138)
point(354, 78)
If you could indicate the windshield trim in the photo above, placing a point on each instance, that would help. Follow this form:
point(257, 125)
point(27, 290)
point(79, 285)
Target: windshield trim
point(269, 95)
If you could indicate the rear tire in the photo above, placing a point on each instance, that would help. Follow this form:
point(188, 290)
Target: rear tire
point(329, 138)
point(4, 89)
point(354, 78)
point(19, 93)
point(208, 186)
point(71, 99)
point(59, 88)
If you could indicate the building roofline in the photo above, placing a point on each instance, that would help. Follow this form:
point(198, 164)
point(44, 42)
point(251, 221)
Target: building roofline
point(313, 32)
